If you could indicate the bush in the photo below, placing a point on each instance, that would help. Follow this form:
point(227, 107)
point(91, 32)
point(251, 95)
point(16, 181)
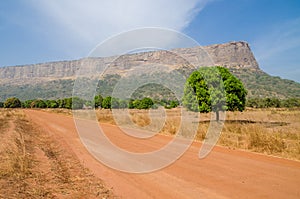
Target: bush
point(171, 104)
point(38, 104)
point(52, 104)
point(12, 103)
point(27, 104)
point(144, 103)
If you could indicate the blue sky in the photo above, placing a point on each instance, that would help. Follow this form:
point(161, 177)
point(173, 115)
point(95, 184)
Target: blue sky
point(34, 31)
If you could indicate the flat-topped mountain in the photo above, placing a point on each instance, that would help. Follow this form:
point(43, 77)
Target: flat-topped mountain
point(234, 54)
point(55, 79)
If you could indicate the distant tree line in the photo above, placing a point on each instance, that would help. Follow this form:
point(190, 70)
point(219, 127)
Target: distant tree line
point(273, 103)
point(145, 103)
point(98, 102)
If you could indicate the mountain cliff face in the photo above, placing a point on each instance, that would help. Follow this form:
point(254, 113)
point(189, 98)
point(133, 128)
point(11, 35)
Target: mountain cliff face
point(231, 55)
point(56, 79)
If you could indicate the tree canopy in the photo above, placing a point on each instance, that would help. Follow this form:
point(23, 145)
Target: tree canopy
point(214, 89)
point(12, 102)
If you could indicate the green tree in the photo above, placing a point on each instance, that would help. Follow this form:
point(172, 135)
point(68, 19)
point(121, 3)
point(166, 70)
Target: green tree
point(67, 103)
point(171, 104)
point(106, 103)
point(145, 103)
point(98, 101)
point(214, 89)
point(77, 103)
point(1, 104)
point(136, 103)
point(27, 104)
point(61, 103)
point(52, 104)
point(12, 102)
point(38, 103)
point(131, 104)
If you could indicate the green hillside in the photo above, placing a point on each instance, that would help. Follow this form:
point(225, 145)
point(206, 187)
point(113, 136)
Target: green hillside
point(258, 83)
point(261, 85)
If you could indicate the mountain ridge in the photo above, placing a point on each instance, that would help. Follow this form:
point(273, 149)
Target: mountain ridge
point(233, 54)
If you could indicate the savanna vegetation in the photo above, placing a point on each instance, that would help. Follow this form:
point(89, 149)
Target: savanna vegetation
point(267, 125)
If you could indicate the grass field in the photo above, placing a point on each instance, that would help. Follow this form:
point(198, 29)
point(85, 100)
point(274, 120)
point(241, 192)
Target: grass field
point(34, 165)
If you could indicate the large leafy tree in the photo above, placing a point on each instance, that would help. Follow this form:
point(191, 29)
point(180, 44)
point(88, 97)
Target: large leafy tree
point(214, 89)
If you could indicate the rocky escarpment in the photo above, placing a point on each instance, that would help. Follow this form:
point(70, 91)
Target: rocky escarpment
point(231, 55)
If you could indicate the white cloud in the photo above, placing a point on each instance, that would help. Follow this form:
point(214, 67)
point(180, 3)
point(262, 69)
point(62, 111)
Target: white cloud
point(90, 22)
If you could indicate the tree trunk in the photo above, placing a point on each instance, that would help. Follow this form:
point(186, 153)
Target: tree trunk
point(217, 116)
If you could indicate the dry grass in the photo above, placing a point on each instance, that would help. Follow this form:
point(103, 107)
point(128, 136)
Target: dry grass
point(151, 120)
point(58, 110)
point(33, 165)
point(272, 131)
point(269, 131)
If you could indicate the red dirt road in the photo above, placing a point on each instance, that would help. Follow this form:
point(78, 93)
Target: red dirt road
point(223, 174)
